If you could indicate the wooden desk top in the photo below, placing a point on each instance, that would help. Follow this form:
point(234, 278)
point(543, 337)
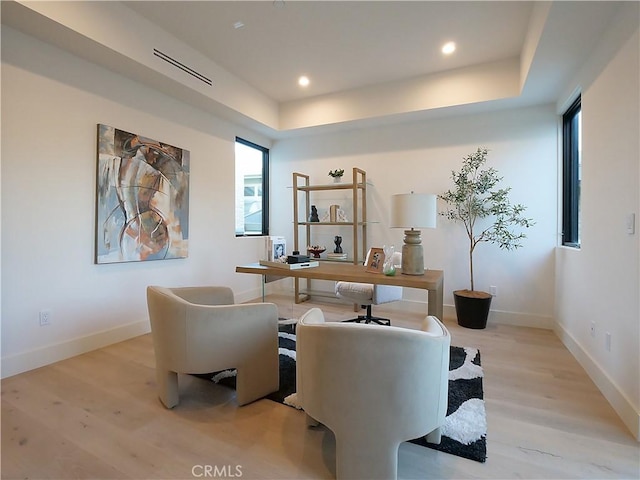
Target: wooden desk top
point(348, 272)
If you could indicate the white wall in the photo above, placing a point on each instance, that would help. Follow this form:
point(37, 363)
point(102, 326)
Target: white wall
point(51, 104)
point(420, 157)
point(600, 282)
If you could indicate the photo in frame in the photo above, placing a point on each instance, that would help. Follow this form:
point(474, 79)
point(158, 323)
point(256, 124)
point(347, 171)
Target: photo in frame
point(278, 248)
point(142, 198)
point(375, 260)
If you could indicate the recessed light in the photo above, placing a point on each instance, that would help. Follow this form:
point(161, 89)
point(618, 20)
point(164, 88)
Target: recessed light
point(303, 81)
point(238, 24)
point(448, 48)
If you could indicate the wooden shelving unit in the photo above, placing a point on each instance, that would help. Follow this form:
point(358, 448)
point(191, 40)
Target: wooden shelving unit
point(303, 192)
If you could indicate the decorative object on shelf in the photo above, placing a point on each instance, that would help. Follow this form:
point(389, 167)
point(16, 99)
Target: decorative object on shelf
point(474, 197)
point(413, 210)
point(338, 241)
point(375, 260)
point(340, 217)
point(316, 250)
point(388, 268)
point(142, 210)
point(336, 256)
point(333, 213)
point(314, 214)
point(336, 174)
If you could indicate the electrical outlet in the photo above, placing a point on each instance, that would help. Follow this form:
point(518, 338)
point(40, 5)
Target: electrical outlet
point(593, 329)
point(45, 317)
point(607, 341)
point(494, 291)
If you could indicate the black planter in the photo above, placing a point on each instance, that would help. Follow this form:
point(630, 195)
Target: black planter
point(472, 308)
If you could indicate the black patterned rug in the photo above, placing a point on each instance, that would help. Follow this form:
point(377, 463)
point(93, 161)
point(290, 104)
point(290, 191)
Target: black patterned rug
point(465, 429)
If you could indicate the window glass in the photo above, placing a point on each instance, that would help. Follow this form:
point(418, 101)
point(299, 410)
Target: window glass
point(251, 205)
point(571, 173)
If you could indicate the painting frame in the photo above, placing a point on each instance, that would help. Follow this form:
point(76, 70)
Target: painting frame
point(375, 260)
point(142, 198)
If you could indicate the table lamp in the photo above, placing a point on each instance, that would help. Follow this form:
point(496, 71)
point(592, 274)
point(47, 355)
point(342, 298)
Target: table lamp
point(411, 211)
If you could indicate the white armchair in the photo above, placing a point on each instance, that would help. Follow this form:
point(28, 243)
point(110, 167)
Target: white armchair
point(366, 294)
point(374, 387)
point(200, 330)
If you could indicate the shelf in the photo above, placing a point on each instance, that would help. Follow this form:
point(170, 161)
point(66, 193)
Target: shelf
point(338, 224)
point(331, 186)
point(356, 190)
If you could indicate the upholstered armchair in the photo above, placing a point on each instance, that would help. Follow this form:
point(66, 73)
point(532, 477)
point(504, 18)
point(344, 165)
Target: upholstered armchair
point(201, 330)
point(374, 387)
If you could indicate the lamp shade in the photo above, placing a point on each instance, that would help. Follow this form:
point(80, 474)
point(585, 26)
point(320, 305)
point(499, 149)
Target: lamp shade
point(413, 210)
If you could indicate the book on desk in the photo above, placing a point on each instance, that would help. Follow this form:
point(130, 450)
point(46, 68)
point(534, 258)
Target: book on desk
point(290, 266)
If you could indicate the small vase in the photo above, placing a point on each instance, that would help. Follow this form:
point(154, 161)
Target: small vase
point(337, 179)
point(388, 268)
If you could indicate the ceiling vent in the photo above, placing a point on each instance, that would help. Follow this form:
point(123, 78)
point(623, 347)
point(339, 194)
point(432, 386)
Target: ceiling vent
point(182, 66)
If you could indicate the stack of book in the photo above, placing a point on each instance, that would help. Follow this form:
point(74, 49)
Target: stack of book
point(290, 266)
point(336, 256)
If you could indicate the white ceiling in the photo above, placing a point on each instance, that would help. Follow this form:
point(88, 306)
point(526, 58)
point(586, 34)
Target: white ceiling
point(341, 45)
point(370, 62)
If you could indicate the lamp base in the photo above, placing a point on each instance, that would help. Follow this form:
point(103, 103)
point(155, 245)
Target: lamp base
point(412, 253)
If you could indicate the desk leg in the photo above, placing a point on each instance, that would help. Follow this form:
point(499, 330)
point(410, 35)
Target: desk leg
point(436, 302)
point(301, 297)
point(264, 280)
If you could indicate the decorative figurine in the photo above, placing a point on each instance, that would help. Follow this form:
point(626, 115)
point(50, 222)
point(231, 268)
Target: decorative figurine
point(314, 214)
point(337, 240)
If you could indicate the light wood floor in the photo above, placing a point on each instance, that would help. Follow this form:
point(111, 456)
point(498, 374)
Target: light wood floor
point(97, 416)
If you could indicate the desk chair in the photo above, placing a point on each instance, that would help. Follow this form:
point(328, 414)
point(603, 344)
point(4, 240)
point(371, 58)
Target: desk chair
point(366, 295)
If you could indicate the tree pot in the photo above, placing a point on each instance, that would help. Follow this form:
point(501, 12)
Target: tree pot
point(472, 308)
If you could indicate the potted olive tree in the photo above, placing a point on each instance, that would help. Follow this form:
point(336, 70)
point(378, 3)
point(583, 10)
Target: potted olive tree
point(487, 216)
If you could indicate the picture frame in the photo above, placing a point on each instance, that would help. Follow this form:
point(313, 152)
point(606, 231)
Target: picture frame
point(277, 247)
point(375, 260)
point(279, 250)
point(142, 198)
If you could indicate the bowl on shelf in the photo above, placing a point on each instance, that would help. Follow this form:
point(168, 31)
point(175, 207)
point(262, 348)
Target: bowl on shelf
point(316, 250)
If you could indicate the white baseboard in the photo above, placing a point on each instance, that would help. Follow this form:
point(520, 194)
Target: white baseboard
point(520, 319)
point(614, 395)
point(39, 357)
point(495, 316)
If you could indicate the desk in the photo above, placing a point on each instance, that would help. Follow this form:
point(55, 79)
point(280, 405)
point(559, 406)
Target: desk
point(432, 280)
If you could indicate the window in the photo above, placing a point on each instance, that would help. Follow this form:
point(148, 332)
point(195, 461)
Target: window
point(571, 174)
point(252, 192)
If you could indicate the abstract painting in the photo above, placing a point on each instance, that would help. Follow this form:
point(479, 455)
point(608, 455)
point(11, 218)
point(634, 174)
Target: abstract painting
point(142, 198)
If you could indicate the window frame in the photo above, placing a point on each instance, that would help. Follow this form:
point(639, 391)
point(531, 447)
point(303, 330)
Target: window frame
point(265, 188)
point(571, 176)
